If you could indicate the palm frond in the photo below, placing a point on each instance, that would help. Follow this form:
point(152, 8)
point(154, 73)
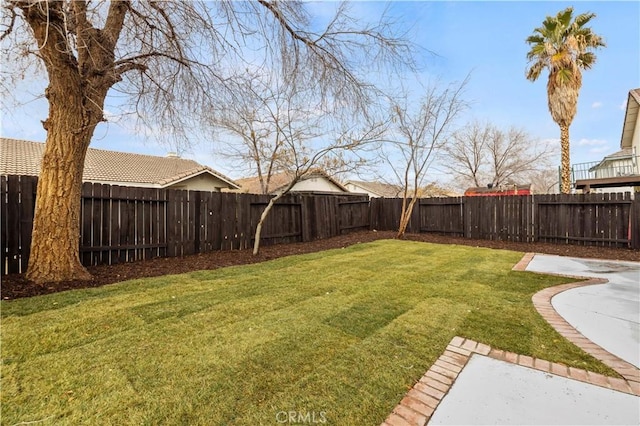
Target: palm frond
point(564, 17)
point(583, 18)
point(550, 26)
point(567, 77)
point(535, 70)
point(586, 60)
point(537, 51)
point(535, 39)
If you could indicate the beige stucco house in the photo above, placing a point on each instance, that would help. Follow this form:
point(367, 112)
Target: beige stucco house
point(315, 181)
point(619, 171)
point(374, 189)
point(20, 157)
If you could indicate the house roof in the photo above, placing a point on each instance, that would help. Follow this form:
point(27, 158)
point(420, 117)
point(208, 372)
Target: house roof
point(630, 118)
point(623, 153)
point(19, 157)
point(280, 180)
point(378, 188)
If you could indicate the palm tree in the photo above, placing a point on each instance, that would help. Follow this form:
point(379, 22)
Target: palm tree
point(564, 46)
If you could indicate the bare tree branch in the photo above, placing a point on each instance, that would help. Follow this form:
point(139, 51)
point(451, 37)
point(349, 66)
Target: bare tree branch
point(482, 154)
point(276, 127)
point(173, 61)
point(417, 136)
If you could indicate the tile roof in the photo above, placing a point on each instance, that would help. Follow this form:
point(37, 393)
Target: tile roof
point(280, 180)
point(19, 157)
point(252, 184)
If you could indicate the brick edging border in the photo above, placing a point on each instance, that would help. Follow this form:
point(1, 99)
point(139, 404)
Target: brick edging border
point(542, 302)
point(419, 404)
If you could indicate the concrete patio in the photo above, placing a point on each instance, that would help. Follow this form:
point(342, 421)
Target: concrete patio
point(472, 383)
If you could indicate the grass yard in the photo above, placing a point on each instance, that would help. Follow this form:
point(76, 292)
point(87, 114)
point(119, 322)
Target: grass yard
point(340, 335)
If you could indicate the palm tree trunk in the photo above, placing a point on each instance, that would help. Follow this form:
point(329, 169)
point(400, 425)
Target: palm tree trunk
point(565, 163)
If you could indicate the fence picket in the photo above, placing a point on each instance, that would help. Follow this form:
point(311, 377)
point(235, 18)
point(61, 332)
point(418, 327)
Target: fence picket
point(123, 224)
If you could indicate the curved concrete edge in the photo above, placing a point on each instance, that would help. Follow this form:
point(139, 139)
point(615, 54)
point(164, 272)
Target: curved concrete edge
point(542, 302)
point(419, 404)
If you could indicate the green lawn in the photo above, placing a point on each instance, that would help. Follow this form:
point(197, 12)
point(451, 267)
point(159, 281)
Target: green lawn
point(340, 334)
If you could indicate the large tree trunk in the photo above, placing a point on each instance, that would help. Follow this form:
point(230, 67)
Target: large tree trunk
point(565, 163)
point(77, 89)
point(56, 228)
point(55, 240)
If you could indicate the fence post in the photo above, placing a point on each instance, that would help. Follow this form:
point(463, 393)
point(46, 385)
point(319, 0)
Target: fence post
point(4, 228)
point(197, 221)
point(27, 209)
point(171, 222)
point(373, 217)
point(13, 224)
point(634, 222)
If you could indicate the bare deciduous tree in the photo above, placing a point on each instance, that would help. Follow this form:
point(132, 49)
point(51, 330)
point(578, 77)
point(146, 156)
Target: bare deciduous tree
point(417, 136)
point(254, 128)
point(482, 154)
point(255, 119)
point(276, 126)
point(545, 181)
point(300, 164)
point(172, 59)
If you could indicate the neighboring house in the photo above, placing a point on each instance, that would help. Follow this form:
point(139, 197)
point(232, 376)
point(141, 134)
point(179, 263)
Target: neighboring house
point(385, 190)
point(315, 181)
point(620, 171)
point(19, 157)
point(500, 191)
point(374, 189)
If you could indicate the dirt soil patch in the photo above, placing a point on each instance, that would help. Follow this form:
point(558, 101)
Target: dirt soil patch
point(16, 286)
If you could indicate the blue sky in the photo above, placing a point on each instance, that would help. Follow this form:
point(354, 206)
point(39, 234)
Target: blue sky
point(485, 39)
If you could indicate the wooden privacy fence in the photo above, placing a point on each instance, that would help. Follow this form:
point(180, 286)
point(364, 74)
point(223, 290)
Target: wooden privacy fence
point(611, 220)
point(124, 224)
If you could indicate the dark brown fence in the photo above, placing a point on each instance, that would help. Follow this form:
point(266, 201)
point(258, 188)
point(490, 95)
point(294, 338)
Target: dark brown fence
point(607, 220)
point(124, 224)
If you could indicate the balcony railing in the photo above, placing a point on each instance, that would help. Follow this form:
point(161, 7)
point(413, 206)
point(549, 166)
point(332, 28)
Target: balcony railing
point(613, 168)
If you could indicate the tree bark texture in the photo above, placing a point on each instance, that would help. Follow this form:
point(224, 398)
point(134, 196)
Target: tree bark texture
point(405, 215)
point(565, 161)
point(76, 93)
point(263, 217)
point(265, 212)
point(55, 242)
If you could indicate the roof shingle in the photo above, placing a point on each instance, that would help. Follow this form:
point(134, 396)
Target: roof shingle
point(19, 157)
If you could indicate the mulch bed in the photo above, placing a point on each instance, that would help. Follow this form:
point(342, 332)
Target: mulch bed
point(16, 286)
